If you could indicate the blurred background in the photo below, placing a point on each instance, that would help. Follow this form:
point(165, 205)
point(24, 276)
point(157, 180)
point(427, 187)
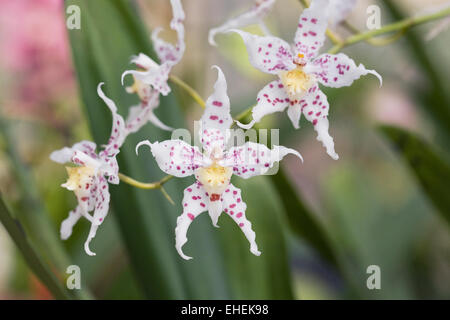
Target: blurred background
point(372, 205)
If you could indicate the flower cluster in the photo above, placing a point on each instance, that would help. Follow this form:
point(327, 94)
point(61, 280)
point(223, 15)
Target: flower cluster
point(299, 69)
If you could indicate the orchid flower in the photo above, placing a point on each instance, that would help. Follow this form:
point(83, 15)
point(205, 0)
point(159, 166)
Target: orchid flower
point(254, 16)
point(151, 78)
point(212, 190)
point(90, 177)
point(300, 71)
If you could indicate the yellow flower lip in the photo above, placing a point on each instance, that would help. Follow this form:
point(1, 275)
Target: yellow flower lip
point(137, 87)
point(79, 177)
point(296, 82)
point(215, 178)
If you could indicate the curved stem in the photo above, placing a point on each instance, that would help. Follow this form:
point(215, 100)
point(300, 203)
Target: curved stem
point(375, 41)
point(143, 185)
point(402, 25)
point(191, 91)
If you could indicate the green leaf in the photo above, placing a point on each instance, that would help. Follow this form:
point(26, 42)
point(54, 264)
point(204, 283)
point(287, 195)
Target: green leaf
point(302, 221)
point(433, 95)
point(33, 214)
point(110, 34)
point(430, 167)
point(34, 261)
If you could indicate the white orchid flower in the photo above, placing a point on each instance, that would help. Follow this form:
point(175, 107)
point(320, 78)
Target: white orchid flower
point(213, 170)
point(300, 70)
point(150, 80)
point(90, 177)
point(255, 15)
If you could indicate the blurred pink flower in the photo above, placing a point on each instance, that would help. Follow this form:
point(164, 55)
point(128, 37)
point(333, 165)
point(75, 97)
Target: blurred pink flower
point(31, 28)
point(34, 53)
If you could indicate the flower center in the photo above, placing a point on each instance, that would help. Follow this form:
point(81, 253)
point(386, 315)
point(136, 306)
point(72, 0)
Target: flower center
point(215, 179)
point(79, 178)
point(296, 82)
point(139, 88)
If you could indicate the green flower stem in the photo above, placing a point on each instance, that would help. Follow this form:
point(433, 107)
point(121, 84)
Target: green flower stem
point(375, 41)
point(34, 261)
point(148, 186)
point(194, 94)
point(143, 185)
point(241, 116)
point(402, 25)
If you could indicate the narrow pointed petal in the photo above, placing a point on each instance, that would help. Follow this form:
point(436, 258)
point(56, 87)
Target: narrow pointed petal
point(167, 52)
point(142, 61)
point(214, 211)
point(156, 77)
point(194, 203)
point(118, 131)
point(272, 98)
point(294, 113)
point(111, 170)
point(175, 157)
point(254, 16)
point(338, 70)
point(102, 201)
point(217, 111)
point(66, 154)
point(268, 54)
point(254, 159)
point(310, 35)
point(82, 159)
point(69, 222)
point(315, 108)
point(216, 119)
point(235, 207)
point(158, 123)
point(139, 115)
point(101, 209)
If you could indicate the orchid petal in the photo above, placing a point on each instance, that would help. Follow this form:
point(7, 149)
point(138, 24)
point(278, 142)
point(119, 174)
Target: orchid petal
point(268, 54)
point(254, 159)
point(294, 113)
point(86, 201)
point(140, 114)
point(111, 169)
point(175, 157)
point(167, 52)
point(195, 202)
point(69, 222)
point(217, 111)
point(310, 34)
point(315, 108)
point(338, 70)
point(118, 131)
point(100, 211)
point(142, 61)
point(272, 98)
point(216, 119)
point(66, 154)
point(235, 207)
point(156, 77)
point(83, 159)
point(254, 16)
